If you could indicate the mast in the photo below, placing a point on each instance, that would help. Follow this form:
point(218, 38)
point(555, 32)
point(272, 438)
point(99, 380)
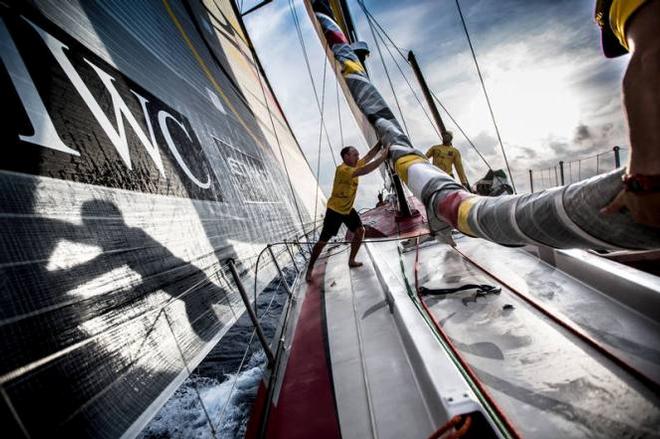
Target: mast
point(427, 93)
point(334, 24)
point(566, 217)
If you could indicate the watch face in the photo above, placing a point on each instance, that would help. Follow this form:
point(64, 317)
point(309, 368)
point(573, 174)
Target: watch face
point(642, 183)
point(635, 186)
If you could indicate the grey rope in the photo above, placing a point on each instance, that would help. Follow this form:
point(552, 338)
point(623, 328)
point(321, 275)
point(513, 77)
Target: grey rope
point(483, 87)
point(301, 40)
point(461, 130)
point(279, 147)
point(403, 56)
point(318, 158)
point(428, 117)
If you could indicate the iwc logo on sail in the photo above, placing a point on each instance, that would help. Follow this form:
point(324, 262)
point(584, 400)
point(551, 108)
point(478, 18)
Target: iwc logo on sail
point(70, 115)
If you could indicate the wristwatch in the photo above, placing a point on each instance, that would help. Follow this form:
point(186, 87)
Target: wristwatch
point(639, 183)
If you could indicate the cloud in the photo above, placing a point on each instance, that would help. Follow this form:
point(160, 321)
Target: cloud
point(560, 149)
point(527, 153)
point(582, 133)
point(553, 94)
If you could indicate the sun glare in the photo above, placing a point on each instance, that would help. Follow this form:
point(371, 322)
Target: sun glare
point(534, 104)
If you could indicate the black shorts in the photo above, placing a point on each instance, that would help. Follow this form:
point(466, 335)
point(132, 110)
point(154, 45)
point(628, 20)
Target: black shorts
point(333, 221)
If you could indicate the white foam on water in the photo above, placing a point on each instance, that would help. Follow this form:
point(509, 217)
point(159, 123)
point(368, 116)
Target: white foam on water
point(228, 404)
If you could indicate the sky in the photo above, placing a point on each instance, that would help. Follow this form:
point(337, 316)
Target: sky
point(554, 95)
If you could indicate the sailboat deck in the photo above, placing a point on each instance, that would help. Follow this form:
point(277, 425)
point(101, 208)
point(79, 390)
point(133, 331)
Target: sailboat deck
point(379, 369)
point(373, 378)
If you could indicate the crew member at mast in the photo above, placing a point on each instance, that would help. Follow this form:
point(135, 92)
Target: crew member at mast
point(445, 156)
point(340, 205)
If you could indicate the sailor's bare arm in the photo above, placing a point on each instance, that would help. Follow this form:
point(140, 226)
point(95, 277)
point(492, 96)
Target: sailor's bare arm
point(363, 170)
point(372, 152)
point(641, 96)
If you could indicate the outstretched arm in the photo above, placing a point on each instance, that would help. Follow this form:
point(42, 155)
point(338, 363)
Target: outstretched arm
point(458, 164)
point(363, 170)
point(372, 152)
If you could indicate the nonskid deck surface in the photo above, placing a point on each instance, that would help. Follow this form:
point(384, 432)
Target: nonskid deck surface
point(376, 388)
point(390, 376)
point(359, 359)
point(546, 380)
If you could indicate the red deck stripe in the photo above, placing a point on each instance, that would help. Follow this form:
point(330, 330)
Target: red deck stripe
point(306, 407)
point(258, 407)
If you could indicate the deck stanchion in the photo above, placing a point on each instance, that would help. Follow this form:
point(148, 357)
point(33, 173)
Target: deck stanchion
point(531, 181)
point(293, 259)
point(309, 243)
point(279, 270)
point(579, 169)
point(250, 311)
point(617, 157)
point(561, 172)
point(302, 251)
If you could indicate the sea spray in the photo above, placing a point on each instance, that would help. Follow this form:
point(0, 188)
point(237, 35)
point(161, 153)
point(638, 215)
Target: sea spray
point(227, 403)
point(226, 381)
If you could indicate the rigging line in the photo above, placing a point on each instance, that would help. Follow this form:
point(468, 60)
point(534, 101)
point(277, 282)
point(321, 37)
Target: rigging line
point(249, 345)
point(428, 117)
point(387, 73)
point(368, 14)
point(323, 126)
point(279, 147)
point(366, 11)
point(185, 364)
point(483, 87)
point(460, 129)
point(341, 128)
point(301, 40)
point(318, 158)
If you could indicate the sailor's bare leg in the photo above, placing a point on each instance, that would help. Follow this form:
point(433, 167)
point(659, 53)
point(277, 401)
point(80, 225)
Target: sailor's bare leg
point(316, 251)
point(641, 97)
point(355, 246)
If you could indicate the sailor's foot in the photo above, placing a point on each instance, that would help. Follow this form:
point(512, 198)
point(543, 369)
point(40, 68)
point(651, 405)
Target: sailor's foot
point(308, 276)
point(354, 264)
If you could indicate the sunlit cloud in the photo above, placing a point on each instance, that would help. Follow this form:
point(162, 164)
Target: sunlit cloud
point(547, 80)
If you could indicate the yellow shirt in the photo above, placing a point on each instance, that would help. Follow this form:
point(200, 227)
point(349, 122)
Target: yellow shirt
point(344, 188)
point(444, 156)
point(620, 13)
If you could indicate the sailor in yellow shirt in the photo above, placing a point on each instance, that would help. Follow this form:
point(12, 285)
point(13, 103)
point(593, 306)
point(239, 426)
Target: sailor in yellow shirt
point(445, 156)
point(340, 205)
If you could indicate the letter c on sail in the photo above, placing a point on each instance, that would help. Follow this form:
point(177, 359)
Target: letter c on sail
point(162, 121)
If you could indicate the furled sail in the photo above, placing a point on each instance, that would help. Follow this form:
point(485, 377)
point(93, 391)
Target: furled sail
point(565, 217)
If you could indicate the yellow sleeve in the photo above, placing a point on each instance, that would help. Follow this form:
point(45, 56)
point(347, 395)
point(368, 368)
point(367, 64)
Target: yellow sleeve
point(458, 164)
point(429, 153)
point(360, 163)
point(345, 173)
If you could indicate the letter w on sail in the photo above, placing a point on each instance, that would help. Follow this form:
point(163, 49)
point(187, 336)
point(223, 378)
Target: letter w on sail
point(121, 110)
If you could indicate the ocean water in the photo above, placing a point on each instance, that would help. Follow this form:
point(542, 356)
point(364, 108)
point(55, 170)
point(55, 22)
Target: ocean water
point(216, 400)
